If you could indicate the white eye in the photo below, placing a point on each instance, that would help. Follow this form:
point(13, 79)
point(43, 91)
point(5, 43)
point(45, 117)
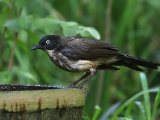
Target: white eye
point(47, 41)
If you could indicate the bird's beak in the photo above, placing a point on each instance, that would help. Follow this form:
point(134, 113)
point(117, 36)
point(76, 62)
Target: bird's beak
point(36, 47)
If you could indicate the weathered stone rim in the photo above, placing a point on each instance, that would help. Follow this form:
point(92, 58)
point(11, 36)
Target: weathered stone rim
point(21, 87)
point(39, 98)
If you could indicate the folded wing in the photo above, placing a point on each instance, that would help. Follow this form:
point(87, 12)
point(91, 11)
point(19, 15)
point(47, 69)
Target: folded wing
point(85, 49)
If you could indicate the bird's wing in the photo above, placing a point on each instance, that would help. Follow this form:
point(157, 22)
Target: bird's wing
point(77, 48)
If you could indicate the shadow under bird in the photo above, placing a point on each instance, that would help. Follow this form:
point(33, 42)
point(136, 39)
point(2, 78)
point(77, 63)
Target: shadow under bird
point(78, 54)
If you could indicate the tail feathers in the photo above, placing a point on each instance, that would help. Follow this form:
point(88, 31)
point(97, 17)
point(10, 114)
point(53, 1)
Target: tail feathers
point(132, 66)
point(134, 63)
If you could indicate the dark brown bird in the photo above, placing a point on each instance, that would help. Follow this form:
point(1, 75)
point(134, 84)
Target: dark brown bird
point(78, 54)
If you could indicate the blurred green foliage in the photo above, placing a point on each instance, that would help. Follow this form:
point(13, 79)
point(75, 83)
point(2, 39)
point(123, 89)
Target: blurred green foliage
point(135, 29)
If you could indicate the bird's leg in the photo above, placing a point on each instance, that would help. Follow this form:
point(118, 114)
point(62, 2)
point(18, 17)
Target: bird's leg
point(73, 84)
point(92, 72)
point(85, 78)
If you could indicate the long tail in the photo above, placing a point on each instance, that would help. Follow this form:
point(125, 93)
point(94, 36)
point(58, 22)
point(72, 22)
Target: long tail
point(135, 63)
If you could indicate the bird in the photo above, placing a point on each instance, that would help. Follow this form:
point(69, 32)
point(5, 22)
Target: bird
point(82, 54)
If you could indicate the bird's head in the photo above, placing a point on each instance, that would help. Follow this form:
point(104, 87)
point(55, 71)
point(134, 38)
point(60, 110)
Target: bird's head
point(48, 42)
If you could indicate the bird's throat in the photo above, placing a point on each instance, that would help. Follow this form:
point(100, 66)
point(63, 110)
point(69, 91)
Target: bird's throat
point(50, 52)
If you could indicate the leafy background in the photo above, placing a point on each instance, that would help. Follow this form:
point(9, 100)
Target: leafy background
point(131, 25)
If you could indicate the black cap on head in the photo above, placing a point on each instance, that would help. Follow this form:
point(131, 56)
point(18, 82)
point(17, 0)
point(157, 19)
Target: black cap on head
point(48, 42)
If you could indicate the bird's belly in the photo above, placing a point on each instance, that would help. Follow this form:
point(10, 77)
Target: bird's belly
point(71, 65)
point(82, 65)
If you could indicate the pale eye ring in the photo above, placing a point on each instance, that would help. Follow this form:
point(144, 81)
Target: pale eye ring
point(47, 41)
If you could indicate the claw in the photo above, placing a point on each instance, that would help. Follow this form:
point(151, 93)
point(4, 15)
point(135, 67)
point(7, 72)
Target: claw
point(78, 86)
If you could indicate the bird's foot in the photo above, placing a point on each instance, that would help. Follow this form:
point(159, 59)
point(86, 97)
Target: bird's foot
point(79, 86)
point(72, 85)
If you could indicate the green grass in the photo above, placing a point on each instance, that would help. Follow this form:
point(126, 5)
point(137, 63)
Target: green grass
point(144, 111)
